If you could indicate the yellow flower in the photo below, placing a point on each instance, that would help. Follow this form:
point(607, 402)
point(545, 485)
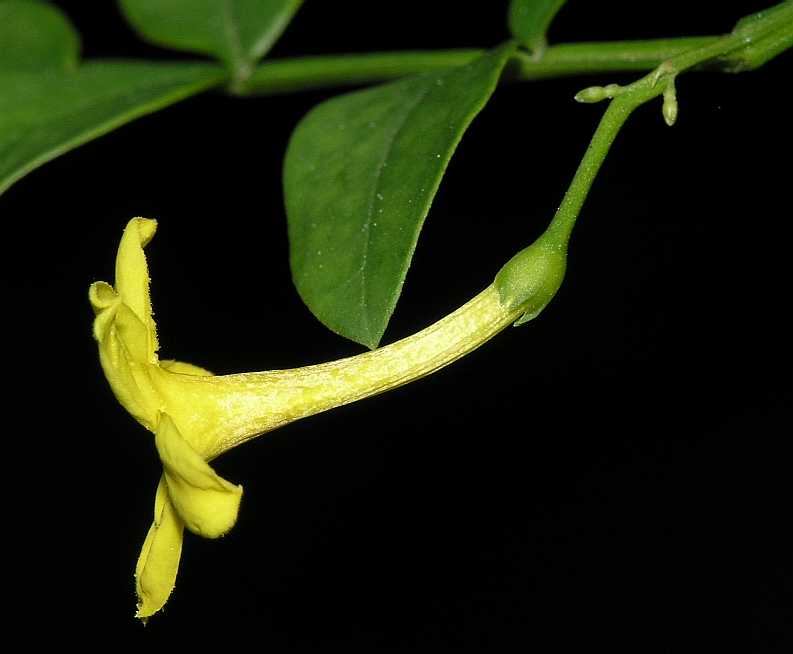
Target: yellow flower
point(196, 416)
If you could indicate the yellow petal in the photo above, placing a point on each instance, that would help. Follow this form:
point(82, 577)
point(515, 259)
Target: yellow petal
point(155, 573)
point(123, 343)
point(124, 327)
point(132, 275)
point(206, 503)
point(132, 333)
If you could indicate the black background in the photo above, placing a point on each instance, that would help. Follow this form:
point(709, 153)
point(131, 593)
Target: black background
point(615, 473)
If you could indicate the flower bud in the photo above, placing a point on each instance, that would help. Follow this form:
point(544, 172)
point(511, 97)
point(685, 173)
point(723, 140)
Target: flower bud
point(669, 109)
point(597, 93)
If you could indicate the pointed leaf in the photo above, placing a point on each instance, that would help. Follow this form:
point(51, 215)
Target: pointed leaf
point(360, 173)
point(238, 32)
point(42, 115)
point(529, 21)
point(35, 36)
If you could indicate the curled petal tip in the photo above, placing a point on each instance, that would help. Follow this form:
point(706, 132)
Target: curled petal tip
point(102, 296)
point(132, 275)
point(146, 228)
point(103, 299)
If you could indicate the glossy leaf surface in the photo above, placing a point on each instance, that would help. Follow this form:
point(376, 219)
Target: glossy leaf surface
point(238, 32)
point(360, 174)
point(44, 114)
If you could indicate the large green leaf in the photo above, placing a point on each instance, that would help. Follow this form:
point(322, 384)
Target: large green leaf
point(36, 36)
point(360, 173)
point(529, 20)
point(237, 32)
point(45, 114)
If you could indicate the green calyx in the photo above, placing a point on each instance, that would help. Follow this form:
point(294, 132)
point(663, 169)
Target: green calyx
point(530, 279)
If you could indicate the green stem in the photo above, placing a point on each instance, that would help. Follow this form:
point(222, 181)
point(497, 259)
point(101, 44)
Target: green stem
point(569, 59)
point(302, 73)
point(530, 279)
point(757, 39)
point(563, 222)
point(753, 42)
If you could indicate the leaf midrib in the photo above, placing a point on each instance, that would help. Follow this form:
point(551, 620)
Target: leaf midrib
point(239, 61)
point(370, 209)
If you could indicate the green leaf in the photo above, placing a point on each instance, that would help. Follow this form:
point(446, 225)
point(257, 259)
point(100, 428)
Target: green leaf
point(360, 173)
point(529, 20)
point(238, 32)
point(42, 115)
point(36, 36)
